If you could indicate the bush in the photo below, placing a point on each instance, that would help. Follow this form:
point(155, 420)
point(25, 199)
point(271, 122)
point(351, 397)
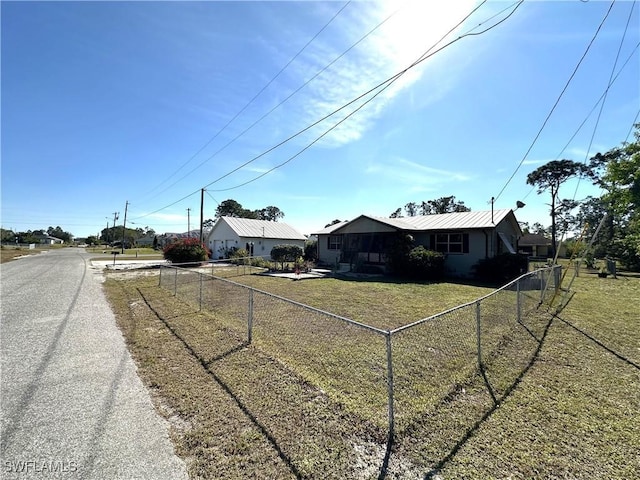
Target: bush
point(425, 264)
point(397, 253)
point(285, 253)
point(311, 250)
point(502, 268)
point(189, 250)
point(239, 256)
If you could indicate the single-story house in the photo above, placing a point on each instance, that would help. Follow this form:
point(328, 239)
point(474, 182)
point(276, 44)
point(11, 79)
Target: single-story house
point(146, 241)
point(536, 245)
point(49, 240)
point(464, 238)
point(258, 237)
point(170, 237)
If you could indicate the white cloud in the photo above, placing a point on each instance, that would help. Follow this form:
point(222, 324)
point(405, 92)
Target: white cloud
point(415, 27)
point(415, 176)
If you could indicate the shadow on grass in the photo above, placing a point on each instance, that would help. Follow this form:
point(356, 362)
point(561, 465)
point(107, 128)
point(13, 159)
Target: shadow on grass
point(599, 343)
point(496, 400)
point(206, 366)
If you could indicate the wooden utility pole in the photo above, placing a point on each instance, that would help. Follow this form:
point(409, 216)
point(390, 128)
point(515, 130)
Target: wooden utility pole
point(124, 224)
point(116, 215)
point(201, 214)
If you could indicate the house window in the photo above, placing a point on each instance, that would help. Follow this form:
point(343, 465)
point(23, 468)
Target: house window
point(452, 242)
point(335, 242)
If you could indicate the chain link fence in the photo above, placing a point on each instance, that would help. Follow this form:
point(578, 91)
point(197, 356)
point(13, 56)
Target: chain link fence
point(393, 379)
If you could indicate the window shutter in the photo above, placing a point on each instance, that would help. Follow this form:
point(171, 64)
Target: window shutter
point(432, 241)
point(328, 242)
point(465, 243)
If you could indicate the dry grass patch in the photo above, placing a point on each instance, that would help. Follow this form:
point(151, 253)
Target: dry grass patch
point(559, 398)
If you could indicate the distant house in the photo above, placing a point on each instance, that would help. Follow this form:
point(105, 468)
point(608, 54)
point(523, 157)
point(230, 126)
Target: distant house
point(170, 237)
point(256, 236)
point(146, 241)
point(49, 240)
point(536, 245)
point(464, 238)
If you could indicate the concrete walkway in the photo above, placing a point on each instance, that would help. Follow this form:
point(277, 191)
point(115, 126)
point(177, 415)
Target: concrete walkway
point(72, 405)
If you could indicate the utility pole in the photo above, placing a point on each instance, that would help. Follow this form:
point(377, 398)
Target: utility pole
point(124, 225)
point(116, 215)
point(201, 214)
point(188, 222)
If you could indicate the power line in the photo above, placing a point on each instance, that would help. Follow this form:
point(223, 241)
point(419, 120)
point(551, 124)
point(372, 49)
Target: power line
point(575, 70)
point(246, 105)
point(389, 80)
point(595, 105)
point(304, 85)
point(269, 112)
point(387, 83)
point(633, 124)
point(606, 92)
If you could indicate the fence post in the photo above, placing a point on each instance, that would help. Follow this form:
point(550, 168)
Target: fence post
point(478, 334)
point(160, 277)
point(175, 282)
point(200, 289)
point(390, 386)
point(518, 304)
point(250, 317)
point(543, 286)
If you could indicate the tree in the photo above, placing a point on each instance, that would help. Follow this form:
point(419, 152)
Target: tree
point(7, 235)
point(333, 222)
point(617, 172)
point(270, 213)
point(551, 176)
point(539, 229)
point(230, 208)
point(445, 205)
point(59, 233)
point(411, 208)
point(396, 214)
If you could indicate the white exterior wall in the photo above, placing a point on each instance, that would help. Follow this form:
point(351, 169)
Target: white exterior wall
point(223, 237)
point(220, 238)
point(326, 256)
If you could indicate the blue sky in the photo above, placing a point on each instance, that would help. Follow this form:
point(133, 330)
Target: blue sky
point(148, 102)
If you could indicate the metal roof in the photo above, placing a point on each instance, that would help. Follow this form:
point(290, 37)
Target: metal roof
point(248, 227)
point(331, 228)
point(444, 221)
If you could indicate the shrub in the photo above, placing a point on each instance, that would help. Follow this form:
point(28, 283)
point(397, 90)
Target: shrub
point(259, 262)
point(239, 256)
point(285, 253)
point(425, 264)
point(502, 268)
point(189, 250)
point(397, 253)
point(311, 250)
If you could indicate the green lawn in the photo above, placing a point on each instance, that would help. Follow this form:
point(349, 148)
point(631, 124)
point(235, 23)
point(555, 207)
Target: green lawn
point(307, 399)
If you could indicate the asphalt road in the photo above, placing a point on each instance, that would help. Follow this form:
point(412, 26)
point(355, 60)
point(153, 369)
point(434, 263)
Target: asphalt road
point(72, 405)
